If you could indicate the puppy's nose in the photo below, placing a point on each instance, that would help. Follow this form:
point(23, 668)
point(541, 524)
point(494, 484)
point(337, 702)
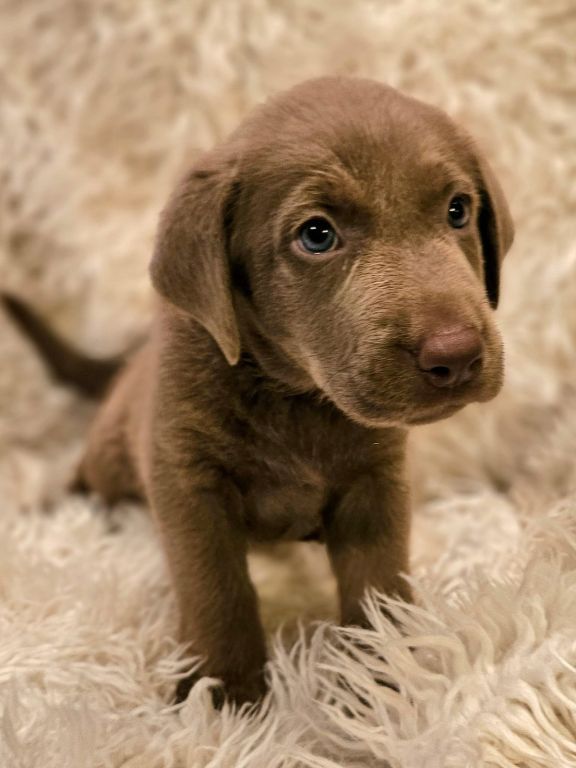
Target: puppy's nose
point(451, 357)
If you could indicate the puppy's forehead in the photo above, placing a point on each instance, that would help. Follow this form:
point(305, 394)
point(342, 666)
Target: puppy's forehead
point(331, 127)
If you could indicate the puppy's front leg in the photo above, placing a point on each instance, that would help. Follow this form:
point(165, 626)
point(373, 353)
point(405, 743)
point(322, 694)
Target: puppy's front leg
point(367, 535)
point(200, 523)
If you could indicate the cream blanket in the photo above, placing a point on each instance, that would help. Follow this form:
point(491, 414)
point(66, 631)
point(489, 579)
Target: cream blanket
point(101, 105)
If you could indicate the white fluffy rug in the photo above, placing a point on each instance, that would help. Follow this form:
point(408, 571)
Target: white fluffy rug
point(100, 106)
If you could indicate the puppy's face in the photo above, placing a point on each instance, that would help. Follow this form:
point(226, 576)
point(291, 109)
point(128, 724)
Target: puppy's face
point(364, 237)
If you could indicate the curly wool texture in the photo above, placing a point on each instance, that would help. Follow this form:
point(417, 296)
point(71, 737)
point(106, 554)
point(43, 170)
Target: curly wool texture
point(102, 105)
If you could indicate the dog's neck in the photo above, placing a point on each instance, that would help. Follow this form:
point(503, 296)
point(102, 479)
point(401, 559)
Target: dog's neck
point(268, 359)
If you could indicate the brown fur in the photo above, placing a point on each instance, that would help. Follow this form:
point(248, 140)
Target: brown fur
point(273, 396)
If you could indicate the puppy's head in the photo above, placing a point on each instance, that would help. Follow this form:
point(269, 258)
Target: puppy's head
point(353, 237)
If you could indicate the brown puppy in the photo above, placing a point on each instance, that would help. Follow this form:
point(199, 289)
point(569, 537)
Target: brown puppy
point(327, 276)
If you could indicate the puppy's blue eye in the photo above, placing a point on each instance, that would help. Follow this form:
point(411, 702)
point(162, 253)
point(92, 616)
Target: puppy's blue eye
point(317, 235)
point(459, 212)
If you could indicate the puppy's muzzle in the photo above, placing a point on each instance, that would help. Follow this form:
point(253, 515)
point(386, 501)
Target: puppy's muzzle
point(451, 357)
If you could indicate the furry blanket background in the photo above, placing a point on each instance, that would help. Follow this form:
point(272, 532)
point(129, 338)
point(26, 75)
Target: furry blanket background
point(101, 106)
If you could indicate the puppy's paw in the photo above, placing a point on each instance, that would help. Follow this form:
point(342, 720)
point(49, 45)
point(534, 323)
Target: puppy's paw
point(247, 692)
point(238, 692)
point(77, 484)
point(184, 687)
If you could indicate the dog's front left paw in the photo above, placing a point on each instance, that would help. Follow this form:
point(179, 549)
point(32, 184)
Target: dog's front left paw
point(237, 692)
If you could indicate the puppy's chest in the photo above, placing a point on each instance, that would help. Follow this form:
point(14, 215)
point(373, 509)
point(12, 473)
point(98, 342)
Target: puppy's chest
point(289, 460)
point(284, 497)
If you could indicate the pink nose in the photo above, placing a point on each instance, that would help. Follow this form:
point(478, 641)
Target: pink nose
point(451, 357)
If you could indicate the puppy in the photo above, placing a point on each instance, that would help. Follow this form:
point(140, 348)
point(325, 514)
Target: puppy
point(326, 279)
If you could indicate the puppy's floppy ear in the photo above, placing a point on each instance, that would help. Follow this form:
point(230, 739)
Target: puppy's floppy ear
point(495, 226)
point(190, 263)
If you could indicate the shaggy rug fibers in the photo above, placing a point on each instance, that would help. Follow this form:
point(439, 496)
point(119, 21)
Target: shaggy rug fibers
point(102, 105)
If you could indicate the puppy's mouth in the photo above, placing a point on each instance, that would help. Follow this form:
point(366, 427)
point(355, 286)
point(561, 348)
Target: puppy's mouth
point(377, 398)
point(441, 404)
point(412, 407)
point(376, 414)
point(429, 415)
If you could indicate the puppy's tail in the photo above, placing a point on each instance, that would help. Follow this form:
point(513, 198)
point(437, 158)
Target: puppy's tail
point(67, 364)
